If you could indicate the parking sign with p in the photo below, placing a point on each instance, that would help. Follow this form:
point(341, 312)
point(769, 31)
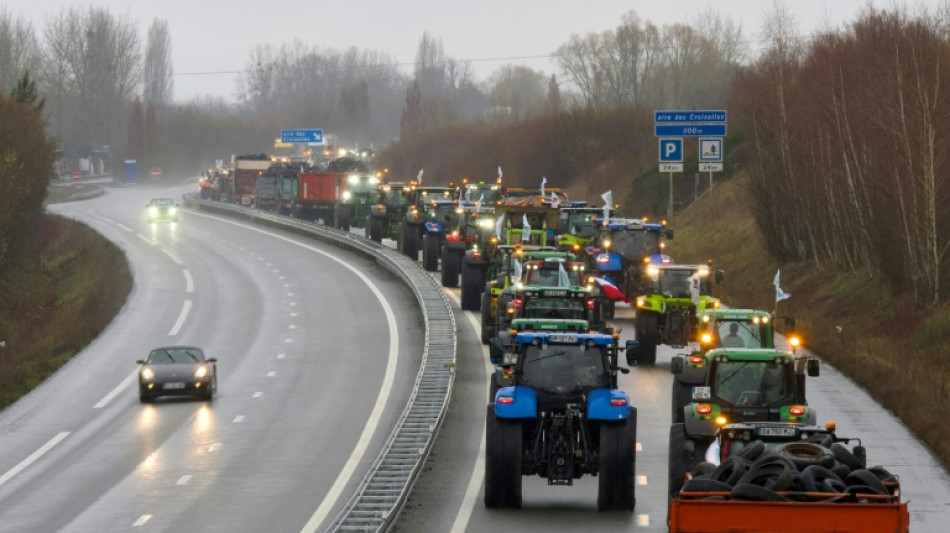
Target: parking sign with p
point(671, 150)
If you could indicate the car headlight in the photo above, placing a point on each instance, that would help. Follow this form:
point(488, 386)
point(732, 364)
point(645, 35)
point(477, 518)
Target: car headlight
point(152, 211)
point(147, 374)
point(201, 372)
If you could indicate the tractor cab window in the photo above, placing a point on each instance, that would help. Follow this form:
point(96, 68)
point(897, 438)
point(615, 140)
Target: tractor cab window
point(563, 369)
point(579, 224)
point(675, 283)
point(395, 196)
point(740, 334)
point(753, 383)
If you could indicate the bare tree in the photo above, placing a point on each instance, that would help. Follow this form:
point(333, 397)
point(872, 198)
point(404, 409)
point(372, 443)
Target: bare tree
point(19, 50)
point(520, 88)
point(158, 69)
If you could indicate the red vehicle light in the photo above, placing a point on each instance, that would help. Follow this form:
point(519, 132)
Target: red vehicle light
point(696, 359)
point(516, 303)
point(703, 409)
point(796, 410)
point(509, 371)
point(506, 399)
point(590, 304)
point(452, 238)
point(476, 255)
point(618, 402)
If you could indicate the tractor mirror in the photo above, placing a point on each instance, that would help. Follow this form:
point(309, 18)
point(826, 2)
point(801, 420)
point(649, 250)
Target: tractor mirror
point(676, 365)
point(720, 275)
point(668, 234)
point(812, 367)
point(496, 350)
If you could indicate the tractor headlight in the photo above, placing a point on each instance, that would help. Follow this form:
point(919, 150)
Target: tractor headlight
point(353, 179)
point(372, 180)
point(486, 223)
point(347, 195)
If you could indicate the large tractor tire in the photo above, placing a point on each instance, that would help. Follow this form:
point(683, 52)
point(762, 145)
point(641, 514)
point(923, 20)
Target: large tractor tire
point(450, 267)
point(502, 461)
point(682, 395)
point(431, 248)
point(646, 336)
point(677, 459)
point(343, 217)
point(410, 241)
point(618, 458)
point(488, 322)
point(473, 286)
point(375, 229)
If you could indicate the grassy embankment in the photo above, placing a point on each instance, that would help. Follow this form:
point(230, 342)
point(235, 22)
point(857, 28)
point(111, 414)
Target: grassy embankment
point(895, 351)
point(55, 301)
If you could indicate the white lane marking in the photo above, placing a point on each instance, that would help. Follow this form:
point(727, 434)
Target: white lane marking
point(144, 238)
point(643, 520)
point(281, 355)
point(214, 447)
point(185, 309)
point(281, 277)
point(286, 285)
point(122, 226)
point(142, 520)
point(290, 294)
point(641, 480)
point(169, 254)
point(469, 501)
point(276, 271)
point(292, 326)
point(33, 457)
point(292, 304)
point(238, 419)
point(107, 219)
point(189, 281)
point(257, 395)
point(115, 392)
point(288, 341)
point(183, 480)
point(272, 374)
point(293, 315)
point(385, 389)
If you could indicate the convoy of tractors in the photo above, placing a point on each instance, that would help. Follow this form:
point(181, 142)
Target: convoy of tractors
point(546, 275)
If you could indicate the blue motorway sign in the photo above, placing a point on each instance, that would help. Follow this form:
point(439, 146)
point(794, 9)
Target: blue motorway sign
point(690, 116)
point(301, 136)
point(689, 130)
point(671, 150)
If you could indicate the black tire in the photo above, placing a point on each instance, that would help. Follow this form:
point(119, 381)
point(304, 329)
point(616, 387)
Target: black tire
point(410, 241)
point(145, 398)
point(844, 456)
point(752, 451)
point(375, 229)
point(805, 454)
point(677, 459)
point(755, 493)
point(706, 485)
point(493, 386)
point(812, 477)
point(704, 469)
point(610, 309)
point(731, 470)
point(431, 248)
point(343, 218)
point(488, 325)
point(841, 470)
point(646, 336)
point(502, 461)
point(867, 479)
point(682, 395)
point(618, 458)
point(771, 471)
point(450, 267)
point(473, 285)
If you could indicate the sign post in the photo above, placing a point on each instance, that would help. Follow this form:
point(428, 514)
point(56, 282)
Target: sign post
point(710, 156)
point(671, 160)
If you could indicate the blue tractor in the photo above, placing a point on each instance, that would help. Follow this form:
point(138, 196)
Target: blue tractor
point(562, 415)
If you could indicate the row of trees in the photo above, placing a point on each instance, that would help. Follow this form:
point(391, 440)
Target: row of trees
point(850, 133)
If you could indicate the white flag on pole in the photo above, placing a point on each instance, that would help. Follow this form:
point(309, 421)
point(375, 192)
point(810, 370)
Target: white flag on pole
point(543, 181)
point(517, 269)
point(498, 226)
point(779, 293)
point(419, 178)
point(478, 203)
point(555, 200)
point(525, 228)
point(563, 280)
point(608, 203)
point(499, 172)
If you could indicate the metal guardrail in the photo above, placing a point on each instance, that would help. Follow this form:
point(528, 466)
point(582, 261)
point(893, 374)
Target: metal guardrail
point(383, 491)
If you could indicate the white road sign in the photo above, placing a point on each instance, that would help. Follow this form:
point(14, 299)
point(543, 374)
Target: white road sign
point(710, 167)
point(671, 167)
point(710, 150)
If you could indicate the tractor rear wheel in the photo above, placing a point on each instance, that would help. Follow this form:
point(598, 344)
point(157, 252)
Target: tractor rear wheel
point(646, 336)
point(430, 252)
point(618, 459)
point(375, 228)
point(488, 323)
point(502, 461)
point(450, 267)
point(410, 241)
point(472, 286)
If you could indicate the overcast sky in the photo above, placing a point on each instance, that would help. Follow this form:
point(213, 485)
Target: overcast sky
point(217, 36)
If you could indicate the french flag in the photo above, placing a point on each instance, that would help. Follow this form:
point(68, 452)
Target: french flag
point(610, 290)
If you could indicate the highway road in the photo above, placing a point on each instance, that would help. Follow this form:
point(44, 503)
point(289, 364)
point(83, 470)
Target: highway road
point(318, 349)
point(448, 495)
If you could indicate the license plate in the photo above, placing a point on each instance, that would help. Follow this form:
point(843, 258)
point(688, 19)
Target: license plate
point(175, 385)
point(563, 338)
point(776, 432)
point(553, 293)
point(701, 393)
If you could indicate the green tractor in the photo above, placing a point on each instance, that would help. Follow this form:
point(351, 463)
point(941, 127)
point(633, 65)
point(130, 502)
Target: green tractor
point(500, 274)
point(743, 385)
point(400, 214)
point(667, 315)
